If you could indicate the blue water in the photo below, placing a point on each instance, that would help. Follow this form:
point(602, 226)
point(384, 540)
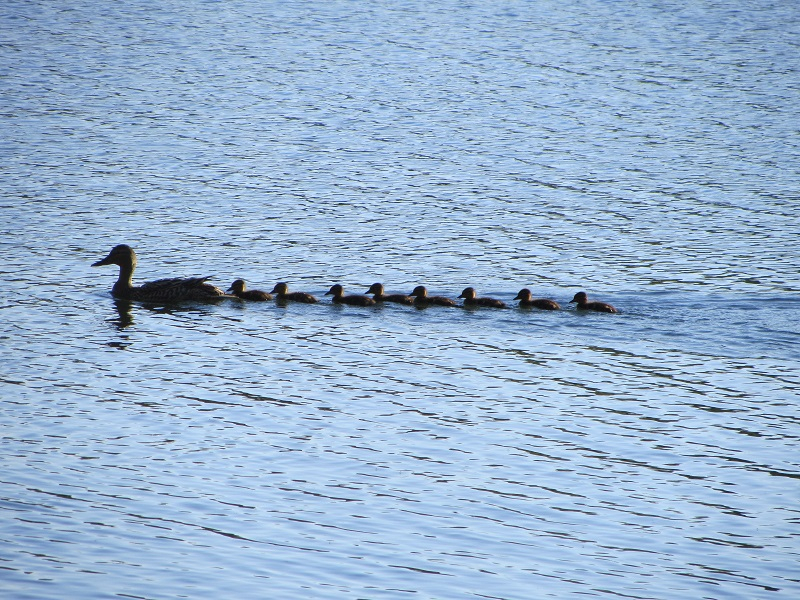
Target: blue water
point(644, 152)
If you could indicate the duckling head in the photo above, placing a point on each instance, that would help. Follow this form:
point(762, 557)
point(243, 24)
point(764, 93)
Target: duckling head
point(524, 294)
point(237, 287)
point(580, 298)
point(468, 293)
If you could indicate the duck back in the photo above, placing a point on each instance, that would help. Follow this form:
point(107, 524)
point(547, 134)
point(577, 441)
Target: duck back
point(175, 289)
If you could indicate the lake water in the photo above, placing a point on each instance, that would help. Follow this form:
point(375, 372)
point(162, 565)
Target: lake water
point(645, 152)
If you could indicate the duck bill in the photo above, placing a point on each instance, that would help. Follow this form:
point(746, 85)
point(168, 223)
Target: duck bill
point(105, 261)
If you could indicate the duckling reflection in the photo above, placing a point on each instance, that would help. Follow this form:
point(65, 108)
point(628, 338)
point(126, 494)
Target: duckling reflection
point(471, 299)
point(377, 290)
point(338, 297)
point(282, 294)
point(526, 300)
point(582, 303)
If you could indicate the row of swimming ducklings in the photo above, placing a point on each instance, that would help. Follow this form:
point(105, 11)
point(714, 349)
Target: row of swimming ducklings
point(196, 288)
point(418, 297)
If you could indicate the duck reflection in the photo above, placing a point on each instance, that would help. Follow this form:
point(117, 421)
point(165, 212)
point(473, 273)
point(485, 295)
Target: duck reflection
point(124, 315)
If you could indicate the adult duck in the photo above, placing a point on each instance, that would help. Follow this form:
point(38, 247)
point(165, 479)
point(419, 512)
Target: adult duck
point(282, 293)
point(239, 289)
point(338, 297)
point(173, 289)
point(421, 298)
point(376, 289)
point(471, 299)
point(582, 303)
point(526, 300)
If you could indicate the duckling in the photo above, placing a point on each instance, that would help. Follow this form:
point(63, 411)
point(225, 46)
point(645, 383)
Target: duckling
point(337, 291)
point(238, 289)
point(422, 298)
point(526, 301)
point(583, 304)
point(470, 297)
point(282, 293)
point(379, 296)
point(173, 289)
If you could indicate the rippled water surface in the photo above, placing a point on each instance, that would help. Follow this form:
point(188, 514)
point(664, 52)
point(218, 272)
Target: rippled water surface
point(645, 152)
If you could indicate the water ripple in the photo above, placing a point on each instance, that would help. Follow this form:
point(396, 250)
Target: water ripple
point(647, 155)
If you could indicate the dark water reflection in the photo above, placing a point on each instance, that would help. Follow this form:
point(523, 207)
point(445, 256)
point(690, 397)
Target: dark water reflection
point(645, 154)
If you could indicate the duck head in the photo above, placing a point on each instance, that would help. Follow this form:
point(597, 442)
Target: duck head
point(122, 255)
